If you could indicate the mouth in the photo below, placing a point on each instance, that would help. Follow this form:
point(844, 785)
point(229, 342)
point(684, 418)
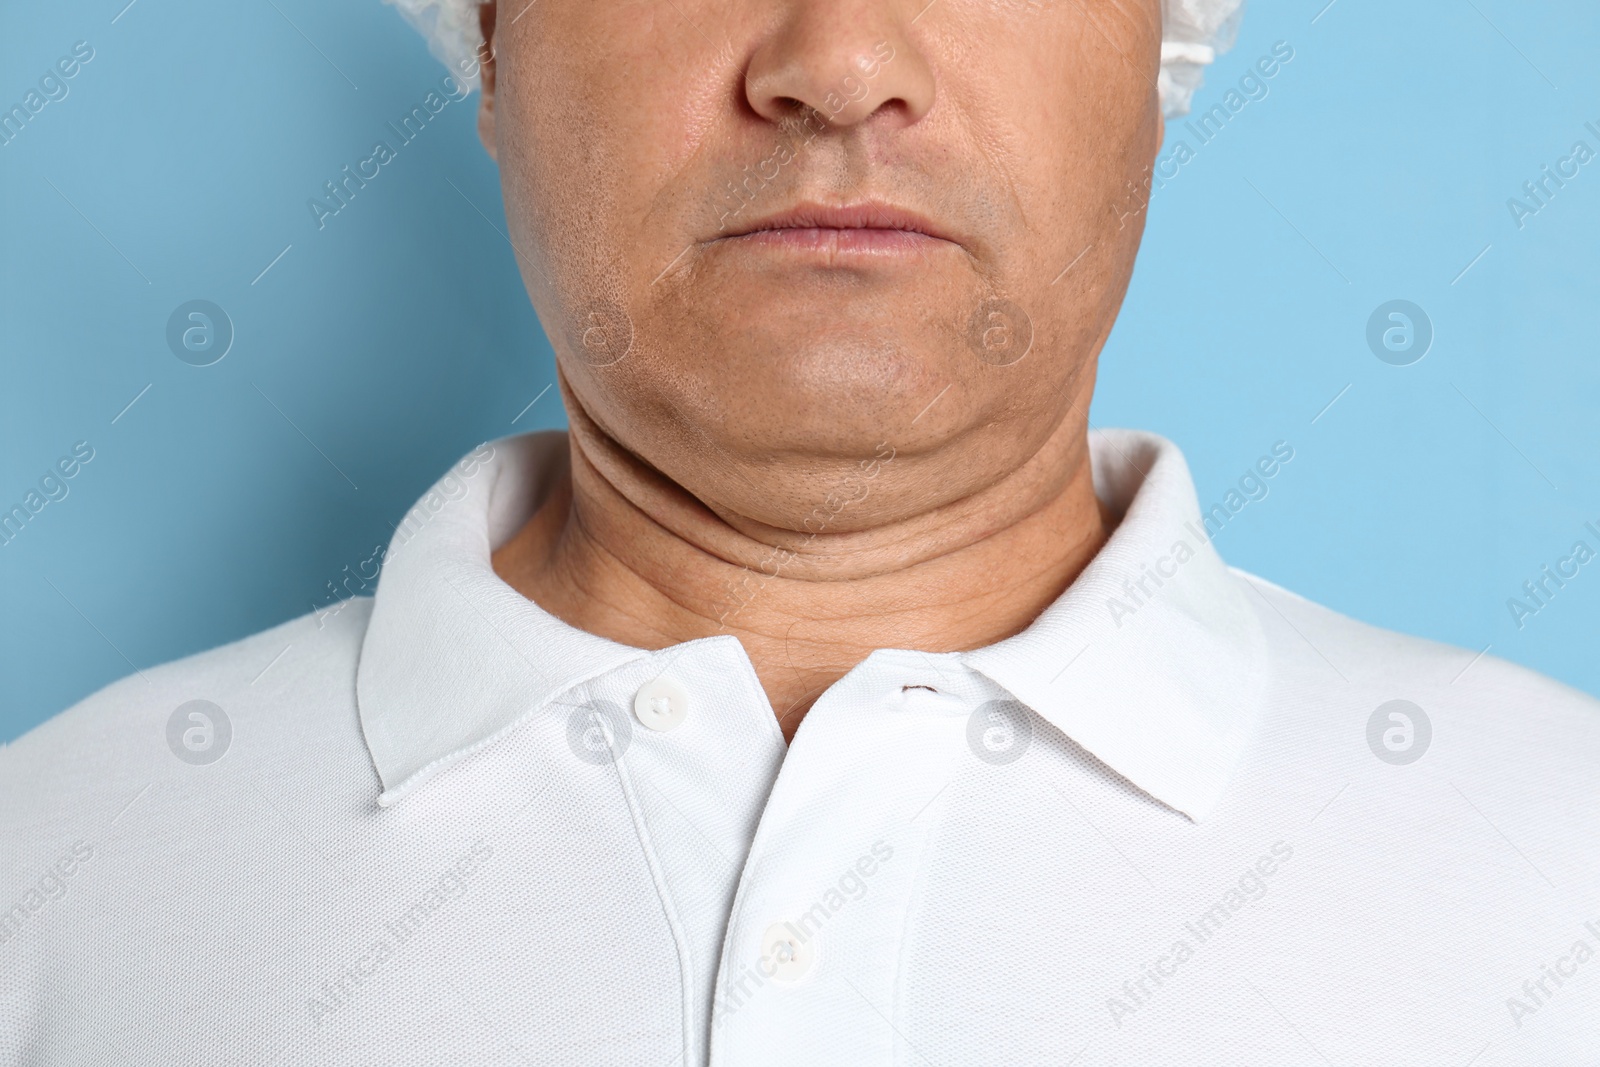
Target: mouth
point(865, 228)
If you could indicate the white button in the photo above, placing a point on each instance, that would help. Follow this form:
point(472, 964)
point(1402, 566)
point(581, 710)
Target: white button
point(661, 704)
point(785, 956)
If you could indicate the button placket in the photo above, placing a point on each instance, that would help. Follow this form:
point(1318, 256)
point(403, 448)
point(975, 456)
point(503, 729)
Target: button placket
point(816, 934)
point(704, 754)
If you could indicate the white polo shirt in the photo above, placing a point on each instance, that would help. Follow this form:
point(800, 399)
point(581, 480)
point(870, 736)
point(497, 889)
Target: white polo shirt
point(1185, 818)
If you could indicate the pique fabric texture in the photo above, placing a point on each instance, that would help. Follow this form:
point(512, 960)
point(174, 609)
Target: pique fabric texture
point(1185, 818)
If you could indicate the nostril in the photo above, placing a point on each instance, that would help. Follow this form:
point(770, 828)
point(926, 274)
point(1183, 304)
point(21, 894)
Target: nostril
point(812, 68)
point(801, 119)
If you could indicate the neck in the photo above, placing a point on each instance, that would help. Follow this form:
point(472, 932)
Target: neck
point(620, 551)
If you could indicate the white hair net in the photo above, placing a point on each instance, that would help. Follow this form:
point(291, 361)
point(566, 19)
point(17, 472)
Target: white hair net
point(1193, 33)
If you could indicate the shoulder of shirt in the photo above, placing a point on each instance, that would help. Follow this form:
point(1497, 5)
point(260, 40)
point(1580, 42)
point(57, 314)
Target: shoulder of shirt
point(280, 688)
point(1317, 643)
point(1506, 752)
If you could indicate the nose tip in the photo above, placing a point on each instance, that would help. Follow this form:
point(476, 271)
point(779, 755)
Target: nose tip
point(845, 69)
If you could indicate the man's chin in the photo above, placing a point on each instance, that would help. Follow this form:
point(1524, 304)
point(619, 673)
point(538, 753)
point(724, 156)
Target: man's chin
point(813, 384)
point(830, 330)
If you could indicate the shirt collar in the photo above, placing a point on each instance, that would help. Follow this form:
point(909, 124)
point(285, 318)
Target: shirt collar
point(453, 657)
point(1153, 658)
point(1149, 661)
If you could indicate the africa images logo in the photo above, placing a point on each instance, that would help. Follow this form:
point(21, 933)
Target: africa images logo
point(1399, 732)
point(199, 732)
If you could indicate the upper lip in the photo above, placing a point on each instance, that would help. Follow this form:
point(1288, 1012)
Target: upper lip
point(863, 215)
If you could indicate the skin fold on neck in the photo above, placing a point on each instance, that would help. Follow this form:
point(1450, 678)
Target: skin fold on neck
point(619, 550)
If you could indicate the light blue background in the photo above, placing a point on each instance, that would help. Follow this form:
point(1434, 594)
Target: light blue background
point(399, 336)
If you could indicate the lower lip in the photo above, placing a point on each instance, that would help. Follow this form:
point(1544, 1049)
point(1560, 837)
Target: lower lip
point(825, 241)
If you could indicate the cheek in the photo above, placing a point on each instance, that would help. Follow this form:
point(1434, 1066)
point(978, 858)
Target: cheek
point(599, 107)
point(1069, 122)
